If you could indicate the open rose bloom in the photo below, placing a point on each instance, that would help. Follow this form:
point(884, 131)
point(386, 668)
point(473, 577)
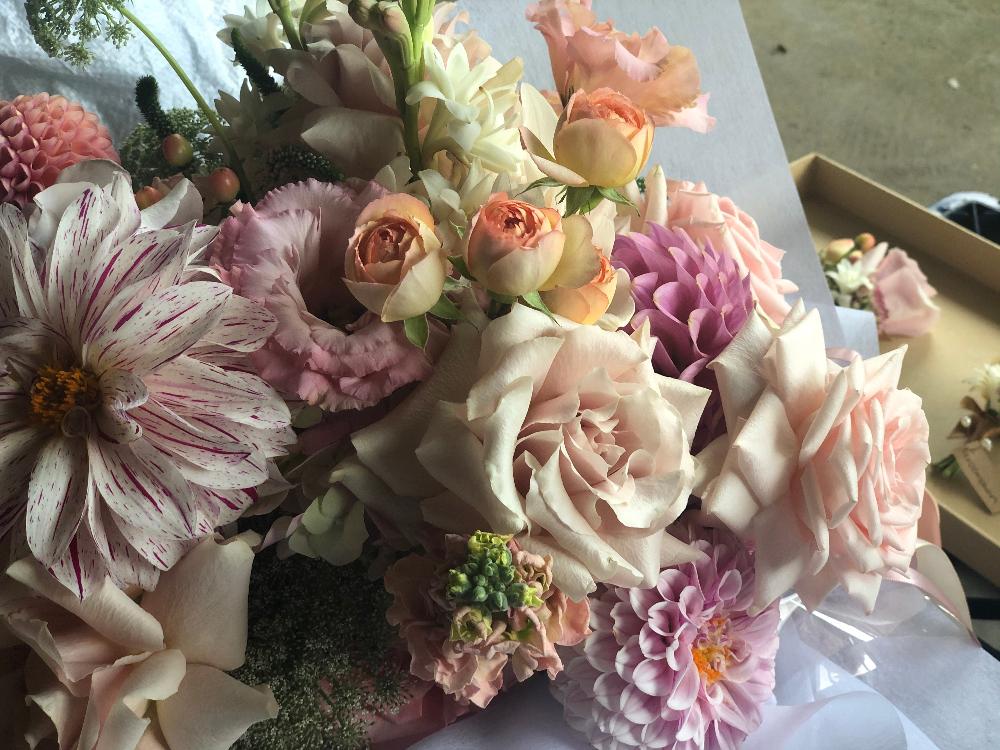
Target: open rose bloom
point(825, 468)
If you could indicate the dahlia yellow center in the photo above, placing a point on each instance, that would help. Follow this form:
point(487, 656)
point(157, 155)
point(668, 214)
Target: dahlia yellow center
point(56, 392)
point(711, 651)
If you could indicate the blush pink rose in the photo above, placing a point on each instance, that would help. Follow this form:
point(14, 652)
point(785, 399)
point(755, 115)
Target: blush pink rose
point(710, 218)
point(287, 253)
point(902, 297)
point(825, 468)
point(658, 77)
point(559, 434)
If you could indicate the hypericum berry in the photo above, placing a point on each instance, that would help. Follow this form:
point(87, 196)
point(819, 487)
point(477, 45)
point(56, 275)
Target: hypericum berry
point(147, 196)
point(177, 150)
point(224, 185)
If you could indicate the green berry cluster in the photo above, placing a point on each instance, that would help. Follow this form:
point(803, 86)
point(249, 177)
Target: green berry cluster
point(488, 579)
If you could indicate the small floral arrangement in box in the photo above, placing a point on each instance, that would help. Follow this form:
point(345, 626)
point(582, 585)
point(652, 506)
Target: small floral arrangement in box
point(333, 410)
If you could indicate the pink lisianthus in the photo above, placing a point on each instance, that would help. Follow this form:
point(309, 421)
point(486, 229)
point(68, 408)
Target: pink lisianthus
point(464, 647)
point(132, 425)
point(709, 218)
point(902, 297)
point(683, 665)
point(121, 674)
point(657, 77)
point(825, 468)
point(287, 253)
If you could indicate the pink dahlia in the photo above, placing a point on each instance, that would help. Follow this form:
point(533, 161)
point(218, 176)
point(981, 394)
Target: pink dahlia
point(41, 135)
point(129, 426)
point(287, 253)
point(682, 665)
point(695, 302)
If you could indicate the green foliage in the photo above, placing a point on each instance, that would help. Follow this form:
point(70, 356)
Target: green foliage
point(142, 155)
point(63, 28)
point(313, 624)
point(417, 330)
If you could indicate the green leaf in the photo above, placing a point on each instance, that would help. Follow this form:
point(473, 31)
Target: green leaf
point(459, 229)
point(417, 330)
point(459, 263)
point(534, 299)
point(541, 182)
point(580, 200)
point(503, 299)
point(452, 284)
point(615, 196)
point(445, 309)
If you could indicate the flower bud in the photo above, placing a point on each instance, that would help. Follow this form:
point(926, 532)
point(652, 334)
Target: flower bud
point(177, 150)
point(470, 624)
point(836, 250)
point(865, 241)
point(514, 247)
point(603, 137)
point(395, 265)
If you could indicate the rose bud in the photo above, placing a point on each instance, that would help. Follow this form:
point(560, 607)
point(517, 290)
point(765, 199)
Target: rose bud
point(583, 286)
point(603, 138)
point(514, 246)
point(865, 241)
point(836, 250)
point(395, 266)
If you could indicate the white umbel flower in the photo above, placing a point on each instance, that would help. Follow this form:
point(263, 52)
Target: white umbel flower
point(985, 382)
point(850, 279)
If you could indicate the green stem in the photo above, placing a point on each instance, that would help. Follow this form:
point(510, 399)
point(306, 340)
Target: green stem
point(203, 105)
point(284, 14)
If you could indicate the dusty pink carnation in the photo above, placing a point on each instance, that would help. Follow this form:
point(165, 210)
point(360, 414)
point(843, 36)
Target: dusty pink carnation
point(41, 135)
point(683, 665)
point(473, 671)
point(695, 300)
point(287, 253)
point(709, 218)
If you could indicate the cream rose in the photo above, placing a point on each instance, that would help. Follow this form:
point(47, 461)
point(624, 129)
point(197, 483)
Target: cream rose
point(395, 265)
point(825, 471)
point(559, 434)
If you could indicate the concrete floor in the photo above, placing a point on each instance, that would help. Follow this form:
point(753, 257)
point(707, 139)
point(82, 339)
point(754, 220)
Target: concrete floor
point(867, 83)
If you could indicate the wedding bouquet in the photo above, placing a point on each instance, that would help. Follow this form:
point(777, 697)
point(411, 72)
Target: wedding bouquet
point(334, 410)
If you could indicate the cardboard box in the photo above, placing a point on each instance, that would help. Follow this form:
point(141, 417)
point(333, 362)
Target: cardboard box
point(965, 269)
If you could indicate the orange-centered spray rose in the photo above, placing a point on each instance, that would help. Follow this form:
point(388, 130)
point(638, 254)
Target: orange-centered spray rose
point(514, 247)
point(395, 265)
point(603, 137)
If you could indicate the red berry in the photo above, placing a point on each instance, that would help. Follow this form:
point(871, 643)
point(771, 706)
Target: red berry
point(147, 196)
point(224, 185)
point(177, 150)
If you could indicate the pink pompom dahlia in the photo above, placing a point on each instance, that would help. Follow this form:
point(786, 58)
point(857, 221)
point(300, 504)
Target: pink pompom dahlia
point(41, 135)
point(130, 426)
point(682, 665)
point(695, 302)
point(287, 253)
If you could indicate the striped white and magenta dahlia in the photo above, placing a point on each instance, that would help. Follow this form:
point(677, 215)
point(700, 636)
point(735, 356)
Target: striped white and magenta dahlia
point(683, 665)
point(129, 426)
